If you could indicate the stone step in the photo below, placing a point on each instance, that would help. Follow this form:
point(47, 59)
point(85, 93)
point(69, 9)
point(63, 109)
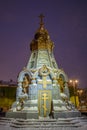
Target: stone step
point(42, 124)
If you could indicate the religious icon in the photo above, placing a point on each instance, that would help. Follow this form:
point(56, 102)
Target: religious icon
point(20, 104)
point(25, 83)
point(61, 83)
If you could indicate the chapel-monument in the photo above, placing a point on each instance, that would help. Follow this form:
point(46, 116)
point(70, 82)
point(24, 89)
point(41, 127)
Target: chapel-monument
point(42, 90)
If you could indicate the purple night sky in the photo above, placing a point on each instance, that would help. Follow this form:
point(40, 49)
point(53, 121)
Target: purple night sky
point(66, 22)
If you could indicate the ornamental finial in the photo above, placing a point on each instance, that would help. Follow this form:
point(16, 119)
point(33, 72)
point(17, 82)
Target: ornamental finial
point(41, 16)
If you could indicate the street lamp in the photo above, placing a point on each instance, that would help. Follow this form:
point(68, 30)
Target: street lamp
point(74, 84)
point(80, 91)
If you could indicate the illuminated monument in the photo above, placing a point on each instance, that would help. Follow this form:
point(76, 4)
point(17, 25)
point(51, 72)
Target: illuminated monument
point(42, 87)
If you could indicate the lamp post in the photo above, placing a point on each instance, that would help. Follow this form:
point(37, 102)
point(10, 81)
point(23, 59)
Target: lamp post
point(74, 84)
point(80, 91)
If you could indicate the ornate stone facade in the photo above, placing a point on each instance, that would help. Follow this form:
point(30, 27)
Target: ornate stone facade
point(42, 86)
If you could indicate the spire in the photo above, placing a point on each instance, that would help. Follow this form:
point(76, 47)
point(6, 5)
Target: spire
point(41, 16)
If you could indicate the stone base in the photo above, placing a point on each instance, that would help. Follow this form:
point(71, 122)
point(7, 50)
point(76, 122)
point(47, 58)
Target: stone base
point(66, 114)
point(35, 115)
point(22, 115)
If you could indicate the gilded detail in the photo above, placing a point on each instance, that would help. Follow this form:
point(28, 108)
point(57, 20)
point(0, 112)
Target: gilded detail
point(41, 40)
point(44, 71)
point(44, 98)
point(44, 82)
point(44, 102)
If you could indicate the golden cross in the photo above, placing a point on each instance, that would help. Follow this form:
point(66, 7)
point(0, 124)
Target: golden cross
point(44, 105)
point(44, 81)
point(41, 19)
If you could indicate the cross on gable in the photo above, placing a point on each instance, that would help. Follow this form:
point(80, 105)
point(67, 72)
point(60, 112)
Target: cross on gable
point(41, 19)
